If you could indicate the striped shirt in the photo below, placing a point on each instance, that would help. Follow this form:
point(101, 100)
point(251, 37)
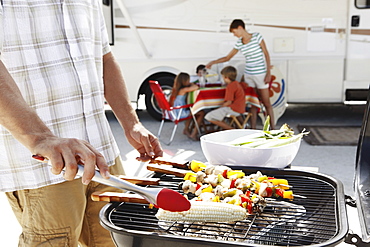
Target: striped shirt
point(254, 57)
point(54, 50)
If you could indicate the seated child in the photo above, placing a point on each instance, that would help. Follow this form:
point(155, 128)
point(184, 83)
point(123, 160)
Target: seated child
point(253, 109)
point(200, 70)
point(180, 89)
point(234, 102)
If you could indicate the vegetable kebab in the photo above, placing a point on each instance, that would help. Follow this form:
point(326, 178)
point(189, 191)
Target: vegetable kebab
point(219, 193)
point(222, 184)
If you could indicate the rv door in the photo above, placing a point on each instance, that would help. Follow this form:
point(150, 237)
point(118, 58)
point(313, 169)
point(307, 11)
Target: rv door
point(357, 72)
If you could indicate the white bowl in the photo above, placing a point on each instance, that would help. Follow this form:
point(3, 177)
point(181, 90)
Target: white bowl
point(218, 152)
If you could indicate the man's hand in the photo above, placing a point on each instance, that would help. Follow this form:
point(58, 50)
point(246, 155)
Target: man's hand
point(66, 153)
point(27, 127)
point(144, 142)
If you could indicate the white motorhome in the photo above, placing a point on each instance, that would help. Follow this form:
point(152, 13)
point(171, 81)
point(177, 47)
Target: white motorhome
point(321, 47)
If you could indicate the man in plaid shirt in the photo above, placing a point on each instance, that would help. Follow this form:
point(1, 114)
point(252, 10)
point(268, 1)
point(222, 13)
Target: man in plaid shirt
point(56, 71)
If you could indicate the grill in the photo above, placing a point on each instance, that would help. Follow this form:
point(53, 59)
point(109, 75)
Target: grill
point(320, 219)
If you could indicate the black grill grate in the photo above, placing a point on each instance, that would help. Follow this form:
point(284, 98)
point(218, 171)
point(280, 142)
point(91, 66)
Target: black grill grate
point(312, 220)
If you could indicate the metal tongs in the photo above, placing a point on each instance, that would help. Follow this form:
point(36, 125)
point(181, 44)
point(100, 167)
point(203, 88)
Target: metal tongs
point(164, 198)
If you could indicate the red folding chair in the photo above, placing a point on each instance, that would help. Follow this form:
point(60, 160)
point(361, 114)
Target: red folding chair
point(169, 112)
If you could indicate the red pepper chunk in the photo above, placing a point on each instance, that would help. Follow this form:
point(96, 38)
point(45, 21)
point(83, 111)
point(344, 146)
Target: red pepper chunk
point(269, 192)
point(250, 208)
point(265, 191)
point(232, 184)
point(246, 202)
point(279, 192)
point(245, 198)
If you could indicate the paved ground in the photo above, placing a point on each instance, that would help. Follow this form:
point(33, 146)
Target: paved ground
point(336, 161)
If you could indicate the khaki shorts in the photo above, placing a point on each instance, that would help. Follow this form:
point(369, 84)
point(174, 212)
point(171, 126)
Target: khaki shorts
point(62, 214)
point(220, 113)
point(256, 81)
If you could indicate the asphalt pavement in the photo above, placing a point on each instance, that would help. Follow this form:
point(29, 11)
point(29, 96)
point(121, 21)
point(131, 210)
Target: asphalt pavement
point(335, 161)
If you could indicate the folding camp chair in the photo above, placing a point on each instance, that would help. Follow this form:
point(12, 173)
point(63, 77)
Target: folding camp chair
point(169, 112)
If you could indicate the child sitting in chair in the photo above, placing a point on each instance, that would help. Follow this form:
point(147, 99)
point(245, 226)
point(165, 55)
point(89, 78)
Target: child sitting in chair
point(180, 89)
point(234, 102)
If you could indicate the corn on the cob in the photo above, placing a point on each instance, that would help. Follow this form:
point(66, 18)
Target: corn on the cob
point(205, 212)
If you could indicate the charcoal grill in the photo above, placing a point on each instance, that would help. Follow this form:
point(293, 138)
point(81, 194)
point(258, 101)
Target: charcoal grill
point(318, 220)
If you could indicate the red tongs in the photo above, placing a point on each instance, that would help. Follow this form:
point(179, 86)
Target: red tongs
point(164, 198)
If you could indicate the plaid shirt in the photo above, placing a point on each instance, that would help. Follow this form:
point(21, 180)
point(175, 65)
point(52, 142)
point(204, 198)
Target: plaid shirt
point(54, 50)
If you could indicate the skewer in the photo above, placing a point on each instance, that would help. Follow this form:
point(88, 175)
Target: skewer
point(285, 185)
point(299, 196)
point(158, 161)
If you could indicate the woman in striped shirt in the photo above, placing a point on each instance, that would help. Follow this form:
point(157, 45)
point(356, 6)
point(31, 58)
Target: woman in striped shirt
point(257, 65)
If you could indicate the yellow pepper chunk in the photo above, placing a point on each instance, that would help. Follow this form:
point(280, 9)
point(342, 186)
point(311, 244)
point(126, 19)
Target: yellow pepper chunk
point(288, 194)
point(191, 176)
point(238, 202)
point(262, 178)
point(216, 199)
point(197, 166)
point(235, 174)
point(207, 189)
point(232, 201)
point(280, 183)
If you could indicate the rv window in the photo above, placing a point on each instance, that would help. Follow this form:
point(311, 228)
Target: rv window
point(362, 4)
